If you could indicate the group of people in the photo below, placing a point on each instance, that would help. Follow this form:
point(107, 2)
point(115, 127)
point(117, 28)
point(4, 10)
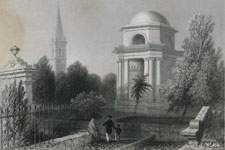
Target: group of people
point(109, 126)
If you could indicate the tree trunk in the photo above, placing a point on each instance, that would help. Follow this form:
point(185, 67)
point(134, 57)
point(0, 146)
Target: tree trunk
point(135, 108)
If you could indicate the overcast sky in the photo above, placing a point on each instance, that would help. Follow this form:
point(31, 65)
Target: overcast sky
point(91, 26)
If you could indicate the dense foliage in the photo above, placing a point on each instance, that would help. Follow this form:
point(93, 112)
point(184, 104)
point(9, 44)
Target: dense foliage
point(48, 89)
point(199, 79)
point(15, 105)
point(77, 76)
point(108, 89)
point(81, 81)
point(88, 105)
point(62, 89)
point(94, 83)
point(44, 82)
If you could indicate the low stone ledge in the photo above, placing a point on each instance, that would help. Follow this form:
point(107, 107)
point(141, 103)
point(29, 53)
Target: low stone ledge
point(67, 142)
point(138, 144)
point(190, 132)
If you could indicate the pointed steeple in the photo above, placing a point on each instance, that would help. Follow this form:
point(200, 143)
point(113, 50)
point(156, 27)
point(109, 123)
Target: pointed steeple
point(59, 49)
point(59, 35)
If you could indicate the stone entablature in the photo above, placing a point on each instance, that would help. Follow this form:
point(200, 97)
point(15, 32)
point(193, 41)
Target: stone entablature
point(138, 48)
point(16, 70)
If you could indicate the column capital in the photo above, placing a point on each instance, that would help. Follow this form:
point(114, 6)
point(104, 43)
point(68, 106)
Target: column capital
point(119, 60)
point(158, 58)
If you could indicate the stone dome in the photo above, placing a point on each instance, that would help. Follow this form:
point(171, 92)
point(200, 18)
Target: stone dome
point(148, 17)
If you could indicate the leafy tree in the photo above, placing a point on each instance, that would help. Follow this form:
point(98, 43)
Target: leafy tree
point(62, 89)
point(108, 89)
point(15, 104)
point(94, 83)
point(44, 82)
point(199, 77)
point(77, 76)
point(87, 105)
point(139, 88)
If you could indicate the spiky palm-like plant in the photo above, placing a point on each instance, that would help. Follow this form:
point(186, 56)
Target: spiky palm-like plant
point(139, 88)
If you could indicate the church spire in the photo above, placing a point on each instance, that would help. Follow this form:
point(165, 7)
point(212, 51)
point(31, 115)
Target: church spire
point(59, 49)
point(59, 29)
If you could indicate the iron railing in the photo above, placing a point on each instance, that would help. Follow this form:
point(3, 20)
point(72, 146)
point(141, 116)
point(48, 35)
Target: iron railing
point(43, 124)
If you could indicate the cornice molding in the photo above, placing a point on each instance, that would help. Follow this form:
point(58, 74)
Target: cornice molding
point(150, 27)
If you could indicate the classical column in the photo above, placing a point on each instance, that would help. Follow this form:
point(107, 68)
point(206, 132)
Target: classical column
point(125, 71)
point(158, 77)
point(151, 72)
point(119, 76)
point(151, 76)
point(119, 80)
point(158, 72)
point(125, 78)
point(146, 68)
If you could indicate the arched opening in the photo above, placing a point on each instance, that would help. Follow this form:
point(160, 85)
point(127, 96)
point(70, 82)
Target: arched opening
point(138, 39)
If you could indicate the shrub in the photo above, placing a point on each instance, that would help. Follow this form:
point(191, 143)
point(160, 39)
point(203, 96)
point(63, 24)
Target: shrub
point(44, 82)
point(88, 105)
point(108, 89)
point(15, 104)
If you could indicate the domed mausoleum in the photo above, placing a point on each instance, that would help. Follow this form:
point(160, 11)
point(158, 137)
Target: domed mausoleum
point(148, 49)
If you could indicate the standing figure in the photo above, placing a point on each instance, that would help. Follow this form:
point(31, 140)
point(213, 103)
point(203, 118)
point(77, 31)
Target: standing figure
point(108, 124)
point(117, 133)
point(92, 129)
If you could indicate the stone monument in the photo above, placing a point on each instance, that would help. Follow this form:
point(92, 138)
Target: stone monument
point(16, 70)
point(148, 49)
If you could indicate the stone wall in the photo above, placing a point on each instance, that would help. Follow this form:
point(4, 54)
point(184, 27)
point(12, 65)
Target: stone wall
point(70, 142)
